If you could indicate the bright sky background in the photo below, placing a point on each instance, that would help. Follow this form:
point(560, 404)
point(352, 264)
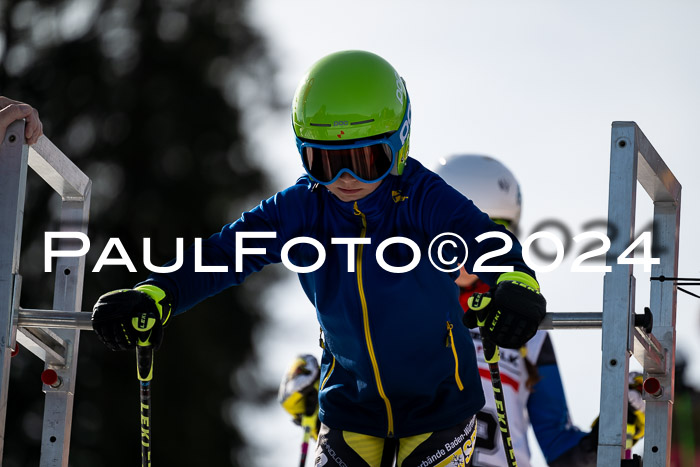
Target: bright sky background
point(535, 84)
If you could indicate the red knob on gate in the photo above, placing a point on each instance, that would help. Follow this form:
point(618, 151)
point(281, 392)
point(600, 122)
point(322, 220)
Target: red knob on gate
point(50, 378)
point(653, 387)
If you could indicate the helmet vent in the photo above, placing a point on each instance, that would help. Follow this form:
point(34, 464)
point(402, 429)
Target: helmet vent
point(362, 121)
point(320, 124)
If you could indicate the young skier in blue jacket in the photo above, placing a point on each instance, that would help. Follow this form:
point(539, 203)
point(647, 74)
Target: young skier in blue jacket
point(399, 380)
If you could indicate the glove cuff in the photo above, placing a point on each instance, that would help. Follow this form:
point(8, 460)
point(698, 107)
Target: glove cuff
point(517, 276)
point(159, 296)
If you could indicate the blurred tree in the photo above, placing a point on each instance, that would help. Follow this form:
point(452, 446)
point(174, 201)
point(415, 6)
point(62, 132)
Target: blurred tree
point(685, 432)
point(148, 98)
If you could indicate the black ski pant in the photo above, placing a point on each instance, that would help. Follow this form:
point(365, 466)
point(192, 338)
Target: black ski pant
point(452, 447)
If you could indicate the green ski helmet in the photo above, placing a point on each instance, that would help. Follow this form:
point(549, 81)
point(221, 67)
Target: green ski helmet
point(351, 113)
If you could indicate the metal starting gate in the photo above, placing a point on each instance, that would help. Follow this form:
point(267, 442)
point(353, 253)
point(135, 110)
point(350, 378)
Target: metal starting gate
point(632, 159)
point(650, 337)
point(53, 335)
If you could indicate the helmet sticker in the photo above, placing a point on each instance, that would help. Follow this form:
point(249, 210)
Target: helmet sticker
point(406, 127)
point(504, 185)
point(400, 89)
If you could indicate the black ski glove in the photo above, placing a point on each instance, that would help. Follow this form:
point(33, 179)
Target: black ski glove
point(510, 313)
point(123, 318)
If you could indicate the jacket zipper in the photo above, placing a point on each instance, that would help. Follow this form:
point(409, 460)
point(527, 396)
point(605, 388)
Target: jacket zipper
point(365, 319)
point(330, 372)
point(451, 343)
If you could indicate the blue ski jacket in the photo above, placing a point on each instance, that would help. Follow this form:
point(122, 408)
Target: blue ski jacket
point(397, 360)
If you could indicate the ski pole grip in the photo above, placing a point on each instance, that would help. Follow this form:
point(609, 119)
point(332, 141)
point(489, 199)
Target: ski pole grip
point(144, 362)
point(491, 353)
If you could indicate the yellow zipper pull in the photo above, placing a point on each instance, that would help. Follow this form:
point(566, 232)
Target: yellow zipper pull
point(454, 352)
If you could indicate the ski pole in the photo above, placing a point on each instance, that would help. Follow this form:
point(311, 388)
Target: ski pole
point(491, 355)
point(307, 422)
point(144, 367)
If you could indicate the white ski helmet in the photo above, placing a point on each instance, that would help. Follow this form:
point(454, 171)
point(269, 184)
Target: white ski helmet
point(487, 182)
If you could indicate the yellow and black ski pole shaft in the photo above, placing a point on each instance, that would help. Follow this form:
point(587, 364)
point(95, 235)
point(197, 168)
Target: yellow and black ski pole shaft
point(144, 366)
point(306, 422)
point(491, 355)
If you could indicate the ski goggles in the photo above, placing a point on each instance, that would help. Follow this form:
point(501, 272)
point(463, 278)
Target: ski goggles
point(368, 160)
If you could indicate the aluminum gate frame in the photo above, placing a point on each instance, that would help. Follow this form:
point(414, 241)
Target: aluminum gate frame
point(57, 347)
point(632, 159)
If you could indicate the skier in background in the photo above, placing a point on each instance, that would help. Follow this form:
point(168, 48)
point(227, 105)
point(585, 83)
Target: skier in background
point(685, 433)
point(398, 374)
point(532, 385)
